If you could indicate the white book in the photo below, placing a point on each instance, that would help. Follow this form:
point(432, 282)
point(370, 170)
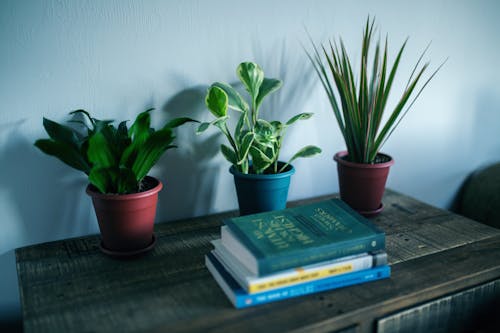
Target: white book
point(253, 283)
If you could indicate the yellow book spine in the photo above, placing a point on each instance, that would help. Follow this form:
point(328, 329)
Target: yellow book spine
point(299, 277)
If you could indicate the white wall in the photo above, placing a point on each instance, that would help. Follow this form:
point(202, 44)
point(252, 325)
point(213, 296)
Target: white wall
point(115, 58)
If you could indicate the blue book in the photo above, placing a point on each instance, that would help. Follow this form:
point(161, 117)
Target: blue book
point(273, 241)
point(242, 299)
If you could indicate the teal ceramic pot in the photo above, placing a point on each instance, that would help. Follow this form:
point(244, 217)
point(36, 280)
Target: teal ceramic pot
point(262, 193)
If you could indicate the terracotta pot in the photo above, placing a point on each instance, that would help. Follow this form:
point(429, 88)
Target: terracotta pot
point(126, 221)
point(262, 193)
point(361, 185)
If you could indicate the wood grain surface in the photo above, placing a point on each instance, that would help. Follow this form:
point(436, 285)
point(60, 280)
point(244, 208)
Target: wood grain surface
point(70, 286)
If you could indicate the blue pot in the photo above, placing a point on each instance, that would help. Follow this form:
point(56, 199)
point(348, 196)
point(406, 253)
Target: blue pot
point(262, 193)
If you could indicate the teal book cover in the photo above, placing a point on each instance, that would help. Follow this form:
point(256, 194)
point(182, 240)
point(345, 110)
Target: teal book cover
point(306, 234)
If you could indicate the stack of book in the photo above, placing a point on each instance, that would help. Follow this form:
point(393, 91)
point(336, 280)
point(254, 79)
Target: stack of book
point(297, 251)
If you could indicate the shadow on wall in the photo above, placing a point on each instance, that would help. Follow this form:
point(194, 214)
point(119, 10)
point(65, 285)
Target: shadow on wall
point(48, 198)
point(190, 172)
point(297, 74)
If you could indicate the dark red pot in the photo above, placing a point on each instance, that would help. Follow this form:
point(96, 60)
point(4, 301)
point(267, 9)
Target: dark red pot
point(126, 221)
point(362, 185)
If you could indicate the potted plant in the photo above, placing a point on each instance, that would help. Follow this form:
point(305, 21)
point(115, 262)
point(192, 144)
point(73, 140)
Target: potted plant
point(358, 106)
point(260, 177)
point(116, 161)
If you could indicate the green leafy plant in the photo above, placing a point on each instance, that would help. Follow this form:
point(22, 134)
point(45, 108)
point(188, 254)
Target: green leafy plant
point(116, 159)
point(255, 143)
point(358, 105)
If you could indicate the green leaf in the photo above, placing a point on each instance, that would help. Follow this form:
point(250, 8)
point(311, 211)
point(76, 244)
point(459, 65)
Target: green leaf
point(245, 144)
point(265, 133)
point(103, 179)
point(100, 153)
point(179, 122)
point(220, 123)
point(65, 152)
point(277, 128)
point(126, 182)
point(359, 103)
point(150, 152)
point(61, 133)
point(268, 86)
point(239, 131)
point(140, 129)
point(260, 161)
point(252, 76)
point(229, 154)
point(216, 101)
point(235, 101)
point(202, 128)
point(307, 151)
point(301, 116)
point(114, 180)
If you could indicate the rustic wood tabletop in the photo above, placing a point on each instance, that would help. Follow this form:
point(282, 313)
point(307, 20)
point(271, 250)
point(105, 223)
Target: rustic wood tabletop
point(70, 286)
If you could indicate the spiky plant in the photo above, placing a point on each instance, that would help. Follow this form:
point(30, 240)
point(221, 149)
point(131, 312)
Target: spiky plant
point(359, 105)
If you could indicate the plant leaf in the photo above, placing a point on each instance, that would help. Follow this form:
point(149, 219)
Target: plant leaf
point(260, 161)
point(65, 152)
point(61, 133)
point(245, 144)
point(239, 131)
point(140, 129)
point(307, 151)
point(300, 116)
point(229, 154)
point(268, 86)
point(100, 153)
point(251, 75)
point(103, 179)
point(179, 122)
point(234, 99)
point(150, 152)
point(202, 128)
point(216, 101)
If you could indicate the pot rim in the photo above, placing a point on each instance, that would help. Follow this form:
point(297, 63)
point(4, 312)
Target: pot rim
point(239, 174)
point(91, 191)
point(338, 157)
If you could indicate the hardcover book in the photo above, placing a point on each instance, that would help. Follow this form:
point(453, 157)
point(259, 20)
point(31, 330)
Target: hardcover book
point(240, 299)
point(252, 283)
point(273, 241)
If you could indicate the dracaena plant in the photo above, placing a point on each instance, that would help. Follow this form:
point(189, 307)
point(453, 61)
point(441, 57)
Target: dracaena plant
point(359, 104)
point(255, 143)
point(115, 159)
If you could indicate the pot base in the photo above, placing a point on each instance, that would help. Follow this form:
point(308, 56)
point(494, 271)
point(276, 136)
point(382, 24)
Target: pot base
point(127, 254)
point(371, 213)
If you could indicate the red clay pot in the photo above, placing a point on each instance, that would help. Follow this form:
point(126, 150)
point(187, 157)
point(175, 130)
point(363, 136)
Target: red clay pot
point(362, 185)
point(126, 221)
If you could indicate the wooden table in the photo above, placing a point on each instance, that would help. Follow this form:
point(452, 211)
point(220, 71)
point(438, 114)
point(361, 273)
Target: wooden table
point(445, 272)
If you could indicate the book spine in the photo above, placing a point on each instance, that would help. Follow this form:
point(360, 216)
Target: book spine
point(305, 275)
point(243, 301)
point(305, 257)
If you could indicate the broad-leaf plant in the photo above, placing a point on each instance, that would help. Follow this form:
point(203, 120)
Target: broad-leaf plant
point(359, 103)
point(255, 143)
point(115, 159)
